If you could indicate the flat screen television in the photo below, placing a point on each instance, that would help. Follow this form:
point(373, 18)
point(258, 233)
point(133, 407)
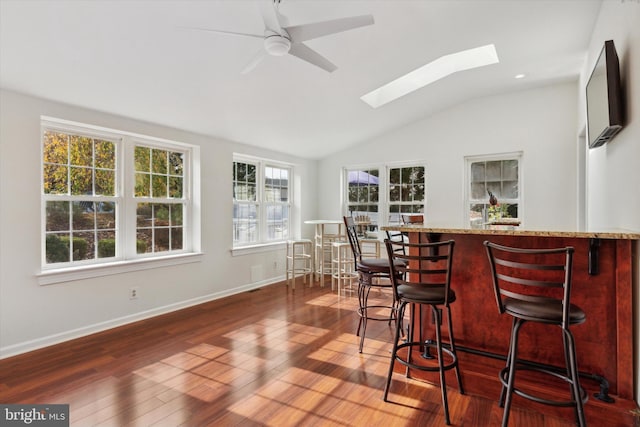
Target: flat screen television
point(604, 98)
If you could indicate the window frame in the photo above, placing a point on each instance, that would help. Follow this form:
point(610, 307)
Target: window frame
point(126, 258)
point(262, 241)
point(468, 201)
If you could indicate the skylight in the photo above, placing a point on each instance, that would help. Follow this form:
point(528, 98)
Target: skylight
point(431, 72)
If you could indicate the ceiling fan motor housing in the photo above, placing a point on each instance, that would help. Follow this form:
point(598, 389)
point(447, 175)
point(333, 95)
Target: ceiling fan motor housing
point(277, 45)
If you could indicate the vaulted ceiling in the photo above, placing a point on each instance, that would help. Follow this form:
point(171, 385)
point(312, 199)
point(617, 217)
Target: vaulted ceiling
point(139, 59)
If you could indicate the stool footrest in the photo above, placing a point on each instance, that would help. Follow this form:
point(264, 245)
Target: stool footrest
point(504, 374)
point(450, 365)
point(361, 312)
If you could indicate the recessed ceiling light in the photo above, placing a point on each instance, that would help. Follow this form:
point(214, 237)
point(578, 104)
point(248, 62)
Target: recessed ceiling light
point(431, 72)
point(519, 76)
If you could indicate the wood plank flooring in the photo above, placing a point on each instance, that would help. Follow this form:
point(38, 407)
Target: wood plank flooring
point(269, 357)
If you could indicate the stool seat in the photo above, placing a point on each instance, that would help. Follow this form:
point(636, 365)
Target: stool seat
point(548, 311)
point(426, 295)
point(376, 265)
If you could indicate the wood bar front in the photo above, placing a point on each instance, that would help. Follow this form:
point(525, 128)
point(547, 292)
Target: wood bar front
point(604, 342)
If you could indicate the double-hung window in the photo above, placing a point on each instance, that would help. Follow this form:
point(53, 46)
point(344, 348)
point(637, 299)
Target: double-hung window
point(113, 196)
point(498, 176)
point(261, 201)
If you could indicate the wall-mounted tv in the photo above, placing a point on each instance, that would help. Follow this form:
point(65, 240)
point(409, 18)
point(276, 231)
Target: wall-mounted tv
point(604, 98)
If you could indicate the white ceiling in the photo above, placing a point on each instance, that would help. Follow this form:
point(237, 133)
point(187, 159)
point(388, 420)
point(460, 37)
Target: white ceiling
point(135, 59)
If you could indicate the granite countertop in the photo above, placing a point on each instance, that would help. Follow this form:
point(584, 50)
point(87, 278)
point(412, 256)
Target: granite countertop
point(512, 231)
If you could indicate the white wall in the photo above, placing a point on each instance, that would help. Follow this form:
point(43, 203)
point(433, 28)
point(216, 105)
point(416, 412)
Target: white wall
point(32, 315)
point(613, 168)
point(541, 123)
point(613, 182)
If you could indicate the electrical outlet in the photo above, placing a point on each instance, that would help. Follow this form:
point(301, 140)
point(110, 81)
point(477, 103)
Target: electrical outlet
point(133, 293)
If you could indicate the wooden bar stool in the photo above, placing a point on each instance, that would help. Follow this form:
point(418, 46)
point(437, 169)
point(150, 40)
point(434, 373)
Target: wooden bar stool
point(326, 232)
point(534, 285)
point(342, 270)
point(299, 261)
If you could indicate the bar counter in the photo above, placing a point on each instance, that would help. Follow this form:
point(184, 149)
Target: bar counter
point(603, 267)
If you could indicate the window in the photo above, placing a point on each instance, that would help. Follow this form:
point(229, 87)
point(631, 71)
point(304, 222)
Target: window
point(79, 187)
point(406, 191)
point(112, 196)
point(363, 187)
point(261, 201)
point(498, 176)
point(160, 206)
point(378, 195)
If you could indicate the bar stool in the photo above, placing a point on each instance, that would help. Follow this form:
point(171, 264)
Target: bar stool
point(370, 272)
point(534, 285)
point(299, 261)
point(342, 269)
point(370, 248)
point(326, 232)
point(421, 276)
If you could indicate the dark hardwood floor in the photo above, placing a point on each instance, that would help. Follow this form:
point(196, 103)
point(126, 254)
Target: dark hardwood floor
point(269, 357)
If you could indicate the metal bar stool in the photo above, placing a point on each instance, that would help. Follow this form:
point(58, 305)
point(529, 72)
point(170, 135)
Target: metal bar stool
point(534, 285)
point(299, 261)
point(421, 276)
point(372, 273)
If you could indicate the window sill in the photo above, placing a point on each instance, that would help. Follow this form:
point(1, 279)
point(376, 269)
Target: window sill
point(49, 277)
point(254, 249)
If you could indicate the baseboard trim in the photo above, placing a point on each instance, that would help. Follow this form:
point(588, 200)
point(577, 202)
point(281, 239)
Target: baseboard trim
point(39, 343)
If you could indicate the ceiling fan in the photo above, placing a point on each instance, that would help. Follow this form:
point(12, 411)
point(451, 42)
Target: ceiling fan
point(280, 38)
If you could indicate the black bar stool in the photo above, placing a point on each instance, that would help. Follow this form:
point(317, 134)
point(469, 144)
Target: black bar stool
point(370, 272)
point(421, 275)
point(534, 285)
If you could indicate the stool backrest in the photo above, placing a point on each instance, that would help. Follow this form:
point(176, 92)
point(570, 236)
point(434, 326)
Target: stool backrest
point(352, 234)
point(397, 237)
point(531, 275)
point(420, 264)
point(412, 218)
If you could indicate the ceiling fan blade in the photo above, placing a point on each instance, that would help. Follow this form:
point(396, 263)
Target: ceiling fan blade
point(254, 62)
point(305, 53)
point(304, 32)
point(270, 16)
point(232, 33)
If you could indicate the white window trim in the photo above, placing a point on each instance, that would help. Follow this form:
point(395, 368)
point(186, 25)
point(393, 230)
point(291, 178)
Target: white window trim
point(127, 261)
point(258, 248)
point(264, 245)
point(468, 160)
point(69, 274)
